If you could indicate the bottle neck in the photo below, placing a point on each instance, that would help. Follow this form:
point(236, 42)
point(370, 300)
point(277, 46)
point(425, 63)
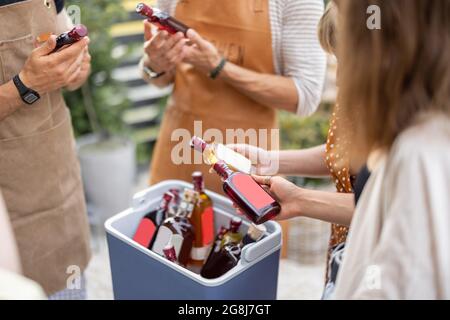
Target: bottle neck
point(169, 252)
point(223, 170)
point(235, 224)
point(167, 198)
point(198, 182)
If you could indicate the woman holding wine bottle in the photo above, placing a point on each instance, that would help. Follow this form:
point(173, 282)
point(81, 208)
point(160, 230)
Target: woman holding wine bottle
point(398, 241)
point(247, 59)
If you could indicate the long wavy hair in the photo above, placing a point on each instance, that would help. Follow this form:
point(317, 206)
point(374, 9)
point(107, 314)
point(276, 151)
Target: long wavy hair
point(389, 76)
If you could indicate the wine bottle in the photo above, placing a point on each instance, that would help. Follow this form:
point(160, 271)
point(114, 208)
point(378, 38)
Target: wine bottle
point(161, 19)
point(233, 235)
point(149, 225)
point(255, 202)
point(203, 221)
point(178, 229)
point(213, 153)
point(68, 38)
point(207, 270)
point(226, 258)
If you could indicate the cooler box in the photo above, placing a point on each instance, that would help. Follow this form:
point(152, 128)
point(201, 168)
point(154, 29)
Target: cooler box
point(138, 273)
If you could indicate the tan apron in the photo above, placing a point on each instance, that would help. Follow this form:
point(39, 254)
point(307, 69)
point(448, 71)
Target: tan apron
point(39, 171)
point(241, 31)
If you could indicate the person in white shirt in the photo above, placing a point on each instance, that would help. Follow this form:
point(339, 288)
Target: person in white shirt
point(248, 59)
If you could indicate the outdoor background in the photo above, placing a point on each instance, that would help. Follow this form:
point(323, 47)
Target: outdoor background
point(116, 117)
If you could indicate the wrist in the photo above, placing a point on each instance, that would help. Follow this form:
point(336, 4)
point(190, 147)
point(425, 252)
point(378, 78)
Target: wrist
point(218, 68)
point(301, 199)
point(148, 63)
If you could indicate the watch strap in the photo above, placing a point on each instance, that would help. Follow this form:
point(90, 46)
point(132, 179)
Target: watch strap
point(29, 96)
point(217, 70)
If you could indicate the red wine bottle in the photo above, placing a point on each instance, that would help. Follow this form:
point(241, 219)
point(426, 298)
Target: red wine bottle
point(68, 38)
point(211, 261)
point(161, 19)
point(178, 230)
point(255, 202)
point(148, 227)
point(223, 260)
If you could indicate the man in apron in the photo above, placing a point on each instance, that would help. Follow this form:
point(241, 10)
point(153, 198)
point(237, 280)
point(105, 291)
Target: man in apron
point(227, 78)
point(39, 171)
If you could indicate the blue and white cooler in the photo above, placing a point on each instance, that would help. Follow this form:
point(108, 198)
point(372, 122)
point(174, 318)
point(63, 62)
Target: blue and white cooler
point(138, 273)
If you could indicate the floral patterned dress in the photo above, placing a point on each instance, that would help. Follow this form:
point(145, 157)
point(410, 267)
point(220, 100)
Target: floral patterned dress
point(338, 164)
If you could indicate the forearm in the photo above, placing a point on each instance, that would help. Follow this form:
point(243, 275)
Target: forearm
point(270, 90)
point(331, 207)
point(10, 100)
point(306, 163)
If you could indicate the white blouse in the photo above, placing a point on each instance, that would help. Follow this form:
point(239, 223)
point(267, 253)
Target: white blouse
point(399, 241)
point(297, 51)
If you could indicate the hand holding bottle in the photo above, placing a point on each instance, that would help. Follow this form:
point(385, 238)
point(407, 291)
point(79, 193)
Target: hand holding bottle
point(163, 51)
point(286, 193)
point(203, 55)
point(263, 162)
point(45, 72)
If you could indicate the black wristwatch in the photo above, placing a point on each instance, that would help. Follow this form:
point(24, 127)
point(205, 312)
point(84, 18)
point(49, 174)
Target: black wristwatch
point(29, 96)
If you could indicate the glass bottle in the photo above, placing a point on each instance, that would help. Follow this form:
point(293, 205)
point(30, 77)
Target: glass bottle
point(68, 38)
point(255, 202)
point(149, 224)
point(211, 261)
point(213, 153)
point(233, 235)
point(161, 19)
point(178, 230)
point(203, 221)
point(229, 255)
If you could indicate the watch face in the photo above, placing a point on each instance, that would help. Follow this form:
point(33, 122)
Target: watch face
point(30, 98)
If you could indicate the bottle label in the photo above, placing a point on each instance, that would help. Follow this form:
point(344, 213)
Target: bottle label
point(200, 254)
point(145, 232)
point(252, 191)
point(162, 239)
point(208, 226)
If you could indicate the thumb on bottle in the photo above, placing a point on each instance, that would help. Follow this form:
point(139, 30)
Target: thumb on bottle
point(148, 34)
point(195, 38)
point(47, 47)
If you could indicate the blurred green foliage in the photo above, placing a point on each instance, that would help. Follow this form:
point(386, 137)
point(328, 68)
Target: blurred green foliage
point(300, 133)
point(108, 96)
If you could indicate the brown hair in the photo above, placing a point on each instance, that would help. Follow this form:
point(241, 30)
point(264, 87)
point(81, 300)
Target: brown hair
point(327, 29)
point(388, 76)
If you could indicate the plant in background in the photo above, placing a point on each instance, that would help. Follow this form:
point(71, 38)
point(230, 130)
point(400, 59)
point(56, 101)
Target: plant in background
point(300, 133)
point(98, 106)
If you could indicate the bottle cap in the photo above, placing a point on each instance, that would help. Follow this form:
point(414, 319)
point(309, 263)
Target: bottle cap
point(198, 144)
point(168, 196)
point(78, 32)
point(235, 224)
point(197, 179)
point(144, 10)
point(256, 232)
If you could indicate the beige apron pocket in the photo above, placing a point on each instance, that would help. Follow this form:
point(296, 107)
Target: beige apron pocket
point(38, 172)
point(27, 119)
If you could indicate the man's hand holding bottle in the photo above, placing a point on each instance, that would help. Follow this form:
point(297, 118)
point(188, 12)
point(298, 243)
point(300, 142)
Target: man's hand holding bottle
point(45, 71)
